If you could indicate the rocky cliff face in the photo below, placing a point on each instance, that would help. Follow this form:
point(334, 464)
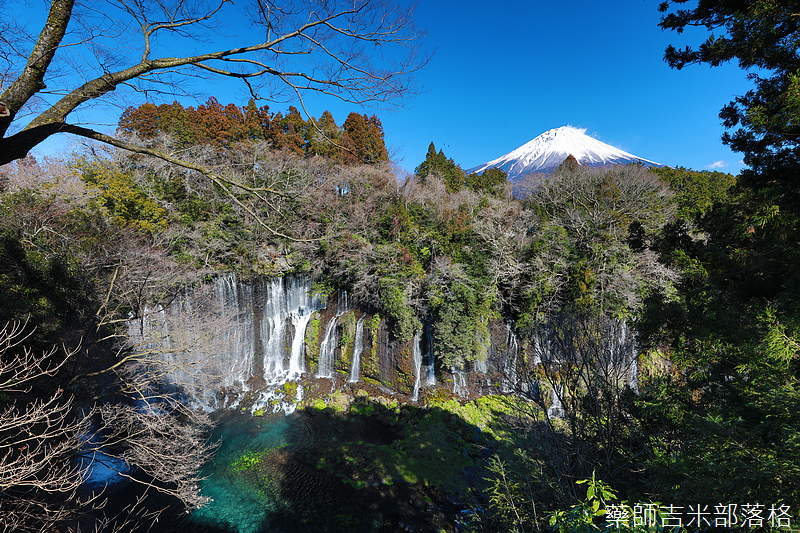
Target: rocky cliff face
point(266, 345)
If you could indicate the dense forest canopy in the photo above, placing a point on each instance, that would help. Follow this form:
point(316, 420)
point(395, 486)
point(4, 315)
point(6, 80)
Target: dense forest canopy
point(359, 140)
point(116, 232)
point(702, 266)
point(333, 39)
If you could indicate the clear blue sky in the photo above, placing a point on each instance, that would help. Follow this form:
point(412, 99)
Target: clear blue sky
point(504, 72)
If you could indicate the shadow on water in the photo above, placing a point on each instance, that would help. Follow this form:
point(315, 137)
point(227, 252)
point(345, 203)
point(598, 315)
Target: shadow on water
point(374, 468)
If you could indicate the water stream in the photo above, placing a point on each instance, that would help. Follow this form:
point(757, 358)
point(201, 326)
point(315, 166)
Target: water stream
point(225, 340)
point(358, 347)
point(326, 350)
point(416, 356)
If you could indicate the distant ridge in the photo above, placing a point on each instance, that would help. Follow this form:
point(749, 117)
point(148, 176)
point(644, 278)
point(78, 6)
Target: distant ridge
point(547, 151)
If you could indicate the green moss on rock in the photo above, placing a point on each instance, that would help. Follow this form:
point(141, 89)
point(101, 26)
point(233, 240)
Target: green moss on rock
point(313, 342)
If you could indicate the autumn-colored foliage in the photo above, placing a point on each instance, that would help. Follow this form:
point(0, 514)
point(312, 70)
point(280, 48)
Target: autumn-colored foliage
point(363, 140)
point(359, 141)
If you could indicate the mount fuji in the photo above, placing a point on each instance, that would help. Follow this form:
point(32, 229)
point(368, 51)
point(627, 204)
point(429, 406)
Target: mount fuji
point(547, 151)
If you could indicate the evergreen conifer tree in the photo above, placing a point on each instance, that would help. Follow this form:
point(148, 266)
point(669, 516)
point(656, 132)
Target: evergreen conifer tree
point(736, 332)
point(363, 140)
point(436, 163)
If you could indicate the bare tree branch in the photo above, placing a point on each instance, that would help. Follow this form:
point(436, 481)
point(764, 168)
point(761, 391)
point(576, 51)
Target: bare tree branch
point(43, 433)
point(363, 51)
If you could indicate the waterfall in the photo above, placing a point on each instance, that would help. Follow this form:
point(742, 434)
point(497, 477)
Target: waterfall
point(326, 350)
point(343, 303)
point(282, 302)
point(428, 362)
point(627, 356)
point(227, 336)
point(429, 369)
point(556, 409)
point(621, 355)
point(200, 342)
point(272, 330)
point(510, 362)
point(296, 361)
point(328, 346)
point(459, 381)
point(229, 353)
point(358, 346)
point(416, 356)
point(633, 379)
point(480, 364)
point(220, 342)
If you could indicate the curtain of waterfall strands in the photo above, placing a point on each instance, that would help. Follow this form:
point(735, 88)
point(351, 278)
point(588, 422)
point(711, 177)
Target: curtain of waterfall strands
point(229, 339)
point(459, 381)
point(327, 348)
point(509, 372)
point(584, 354)
point(222, 339)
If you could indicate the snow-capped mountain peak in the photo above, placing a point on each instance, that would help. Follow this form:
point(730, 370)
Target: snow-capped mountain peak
point(547, 151)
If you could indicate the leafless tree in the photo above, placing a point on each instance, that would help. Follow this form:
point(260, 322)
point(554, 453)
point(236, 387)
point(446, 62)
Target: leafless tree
point(581, 374)
point(268, 188)
point(44, 431)
point(60, 409)
point(38, 437)
point(592, 211)
point(356, 50)
point(596, 202)
point(157, 441)
point(508, 229)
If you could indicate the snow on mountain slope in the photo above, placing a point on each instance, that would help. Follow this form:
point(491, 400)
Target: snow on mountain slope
point(547, 151)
